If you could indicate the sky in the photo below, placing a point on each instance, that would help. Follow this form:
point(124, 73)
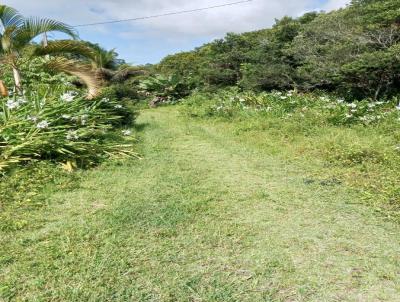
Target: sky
point(148, 41)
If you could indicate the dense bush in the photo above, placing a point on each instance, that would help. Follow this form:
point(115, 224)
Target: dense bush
point(54, 124)
point(167, 88)
point(353, 52)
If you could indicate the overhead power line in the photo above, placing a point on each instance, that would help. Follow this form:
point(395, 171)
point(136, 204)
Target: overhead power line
point(165, 14)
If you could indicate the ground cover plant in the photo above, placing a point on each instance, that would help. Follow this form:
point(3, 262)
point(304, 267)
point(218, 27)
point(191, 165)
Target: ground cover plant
point(359, 142)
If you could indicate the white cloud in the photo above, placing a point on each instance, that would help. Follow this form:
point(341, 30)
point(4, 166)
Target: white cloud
point(335, 4)
point(243, 17)
point(150, 40)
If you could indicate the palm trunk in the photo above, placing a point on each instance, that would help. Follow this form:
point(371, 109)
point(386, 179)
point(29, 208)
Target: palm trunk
point(3, 89)
point(17, 79)
point(45, 41)
point(45, 44)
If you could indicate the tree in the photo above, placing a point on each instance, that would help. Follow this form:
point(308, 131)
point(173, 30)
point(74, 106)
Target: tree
point(377, 73)
point(17, 32)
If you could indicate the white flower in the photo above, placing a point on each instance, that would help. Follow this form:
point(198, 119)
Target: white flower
point(372, 105)
point(105, 100)
point(72, 135)
point(340, 101)
point(32, 118)
point(283, 97)
point(68, 96)
point(66, 116)
point(126, 132)
point(397, 148)
point(43, 125)
point(398, 107)
point(379, 103)
point(84, 119)
point(352, 105)
point(11, 104)
point(353, 110)
point(349, 115)
point(118, 106)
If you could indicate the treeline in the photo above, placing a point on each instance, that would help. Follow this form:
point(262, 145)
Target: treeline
point(354, 52)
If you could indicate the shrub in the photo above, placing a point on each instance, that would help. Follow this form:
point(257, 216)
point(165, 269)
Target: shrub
point(319, 110)
point(169, 88)
point(60, 126)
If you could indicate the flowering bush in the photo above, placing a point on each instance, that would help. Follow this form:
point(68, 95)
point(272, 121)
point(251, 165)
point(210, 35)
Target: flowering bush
point(320, 109)
point(60, 126)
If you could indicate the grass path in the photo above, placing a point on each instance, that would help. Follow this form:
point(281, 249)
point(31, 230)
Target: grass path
point(202, 217)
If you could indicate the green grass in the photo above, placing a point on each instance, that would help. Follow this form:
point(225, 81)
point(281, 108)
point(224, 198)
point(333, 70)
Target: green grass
point(206, 215)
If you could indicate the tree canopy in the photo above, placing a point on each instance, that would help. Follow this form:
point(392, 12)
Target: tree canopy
point(352, 51)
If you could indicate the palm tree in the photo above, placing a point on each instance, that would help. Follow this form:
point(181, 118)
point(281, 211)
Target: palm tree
point(108, 67)
point(94, 65)
point(17, 32)
point(73, 57)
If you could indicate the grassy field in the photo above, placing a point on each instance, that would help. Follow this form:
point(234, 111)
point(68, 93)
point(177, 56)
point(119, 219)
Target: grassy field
point(204, 216)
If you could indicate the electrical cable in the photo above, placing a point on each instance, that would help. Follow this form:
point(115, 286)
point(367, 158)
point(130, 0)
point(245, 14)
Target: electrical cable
point(165, 14)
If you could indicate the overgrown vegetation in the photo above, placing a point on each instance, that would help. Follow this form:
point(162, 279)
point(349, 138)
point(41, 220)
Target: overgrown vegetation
point(252, 189)
point(353, 52)
point(47, 115)
point(358, 142)
point(59, 126)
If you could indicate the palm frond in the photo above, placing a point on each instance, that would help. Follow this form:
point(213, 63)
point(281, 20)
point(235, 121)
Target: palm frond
point(10, 17)
point(105, 59)
point(33, 27)
point(61, 47)
point(81, 70)
point(126, 72)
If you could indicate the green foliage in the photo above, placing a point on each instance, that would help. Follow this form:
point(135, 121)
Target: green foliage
point(169, 88)
point(320, 109)
point(34, 72)
point(353, 52)
point(376, 73)
point(60, 126)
